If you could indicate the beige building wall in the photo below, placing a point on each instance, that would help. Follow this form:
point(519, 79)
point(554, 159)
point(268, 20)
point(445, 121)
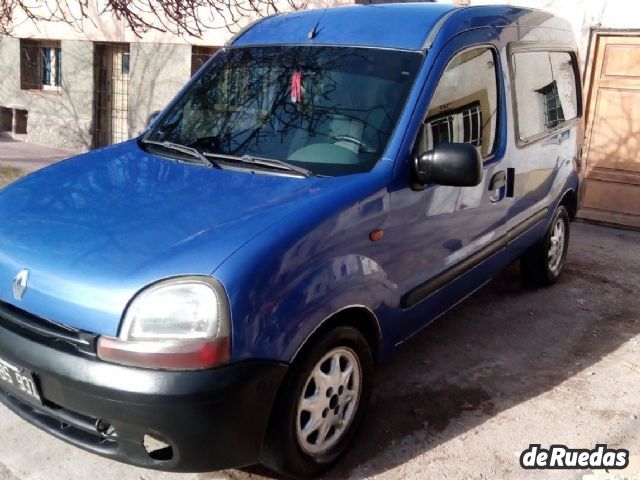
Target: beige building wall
point(61, 118)
point(160, 65)
point(104, 27)
point(585, 15)
point(157, 74)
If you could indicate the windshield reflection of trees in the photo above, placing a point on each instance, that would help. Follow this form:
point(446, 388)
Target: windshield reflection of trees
point(243, 104)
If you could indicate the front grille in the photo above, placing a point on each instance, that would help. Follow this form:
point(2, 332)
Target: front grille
point(45, 331)
point(93, 434)
point(70, 426)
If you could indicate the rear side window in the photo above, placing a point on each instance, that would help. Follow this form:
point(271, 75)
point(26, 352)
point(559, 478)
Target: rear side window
point(545, 90)
point(464, 104)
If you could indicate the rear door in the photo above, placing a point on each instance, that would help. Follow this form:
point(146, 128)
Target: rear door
point(546, 102)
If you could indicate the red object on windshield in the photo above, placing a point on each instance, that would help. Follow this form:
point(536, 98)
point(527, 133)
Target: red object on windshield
point(296, 87)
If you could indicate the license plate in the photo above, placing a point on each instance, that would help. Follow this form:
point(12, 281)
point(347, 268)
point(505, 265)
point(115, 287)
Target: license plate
point(19, 382)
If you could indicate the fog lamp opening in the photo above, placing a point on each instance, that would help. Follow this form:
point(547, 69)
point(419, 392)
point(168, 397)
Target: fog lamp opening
point(157, 448)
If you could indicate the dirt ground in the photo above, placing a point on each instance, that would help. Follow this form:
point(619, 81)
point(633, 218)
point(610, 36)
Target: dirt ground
point(29, 156)
point(8, 175)
point(509, 367)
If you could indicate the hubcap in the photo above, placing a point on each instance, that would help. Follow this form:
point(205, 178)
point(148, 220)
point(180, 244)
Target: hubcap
point(329, 401)
point(556, 248)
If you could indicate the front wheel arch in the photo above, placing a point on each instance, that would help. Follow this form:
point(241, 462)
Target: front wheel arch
point(357, 316)
point(281, 451)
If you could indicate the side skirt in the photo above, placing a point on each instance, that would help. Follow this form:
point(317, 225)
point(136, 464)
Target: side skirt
point(425, 289)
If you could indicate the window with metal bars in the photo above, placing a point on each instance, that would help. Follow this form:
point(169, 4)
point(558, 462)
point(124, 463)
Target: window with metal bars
point(553, 113)
point(442, 130)
point(472, 125)
point(546, 87)
point(40, 65)
point(112, 65)
point(462, 125)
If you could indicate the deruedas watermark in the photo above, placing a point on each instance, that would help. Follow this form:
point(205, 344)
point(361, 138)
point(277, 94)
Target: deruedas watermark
point(563, 457)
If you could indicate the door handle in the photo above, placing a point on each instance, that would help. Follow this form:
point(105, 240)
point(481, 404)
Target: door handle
point(498, 180)
point(511, 181)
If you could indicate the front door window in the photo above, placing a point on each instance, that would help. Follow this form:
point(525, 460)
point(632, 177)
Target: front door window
point(464, 105)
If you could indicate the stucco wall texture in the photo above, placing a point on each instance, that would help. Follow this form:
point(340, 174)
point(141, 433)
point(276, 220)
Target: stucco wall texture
point(161, 65)
point(58, 118)
point(158, 72)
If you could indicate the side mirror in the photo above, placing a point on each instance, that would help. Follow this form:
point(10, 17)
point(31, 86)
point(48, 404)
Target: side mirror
point(151, 118)
point(453, 164)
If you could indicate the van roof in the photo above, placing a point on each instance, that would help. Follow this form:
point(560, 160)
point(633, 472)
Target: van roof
point(408, 26)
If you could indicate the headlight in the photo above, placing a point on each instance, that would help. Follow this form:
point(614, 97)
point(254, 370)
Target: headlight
point(180, 310)
point(181, 323)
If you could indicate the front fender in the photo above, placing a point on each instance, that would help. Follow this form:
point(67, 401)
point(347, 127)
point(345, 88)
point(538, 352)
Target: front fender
point(282, 311)
point(283, 284)
point(343, 282)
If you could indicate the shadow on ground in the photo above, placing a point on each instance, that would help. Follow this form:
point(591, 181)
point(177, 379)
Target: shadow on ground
point(506, 344)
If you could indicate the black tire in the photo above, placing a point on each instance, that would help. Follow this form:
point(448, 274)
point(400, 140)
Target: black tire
point(536, 265)
point(282, 450)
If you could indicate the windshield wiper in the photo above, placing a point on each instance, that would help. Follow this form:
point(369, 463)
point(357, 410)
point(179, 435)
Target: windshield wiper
point(183, 149)
point(261, 162)
point(207, 158)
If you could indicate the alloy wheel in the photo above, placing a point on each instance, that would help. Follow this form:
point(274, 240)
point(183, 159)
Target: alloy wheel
point(556, 249)
point(329, 401)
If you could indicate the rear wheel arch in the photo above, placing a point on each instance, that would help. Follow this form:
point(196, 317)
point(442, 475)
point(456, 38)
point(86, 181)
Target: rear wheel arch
point(570, 202)
point(542, 264)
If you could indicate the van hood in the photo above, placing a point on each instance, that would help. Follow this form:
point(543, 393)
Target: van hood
point(94, 229)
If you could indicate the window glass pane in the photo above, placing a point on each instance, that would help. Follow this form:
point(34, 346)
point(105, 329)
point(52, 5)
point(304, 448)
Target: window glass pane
point(40, 64)
point(564, 77)
point(441, 130)
point(29, 65)
point(545, 87)
point(125, 63)
point(200, 55)
point(58, 76)
point(464, 105)
point(328, 109)
point(46, 66)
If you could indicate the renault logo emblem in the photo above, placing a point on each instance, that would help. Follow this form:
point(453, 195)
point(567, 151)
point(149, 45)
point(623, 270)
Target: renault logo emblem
point(20, 283)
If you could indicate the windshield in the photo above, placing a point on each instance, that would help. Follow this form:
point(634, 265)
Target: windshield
point(330, 110)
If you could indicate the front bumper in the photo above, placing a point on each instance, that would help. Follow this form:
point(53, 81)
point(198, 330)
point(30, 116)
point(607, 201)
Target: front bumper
point(211, 419)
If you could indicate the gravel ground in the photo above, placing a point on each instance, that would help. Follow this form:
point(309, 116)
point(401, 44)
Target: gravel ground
point(509, 367)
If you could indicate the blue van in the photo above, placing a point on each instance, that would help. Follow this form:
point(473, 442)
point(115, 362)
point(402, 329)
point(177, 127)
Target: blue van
point(217, 292)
